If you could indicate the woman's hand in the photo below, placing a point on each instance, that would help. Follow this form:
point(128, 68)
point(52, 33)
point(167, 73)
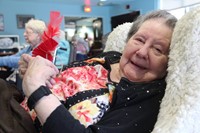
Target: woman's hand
point(39, 72)
point(23, 65)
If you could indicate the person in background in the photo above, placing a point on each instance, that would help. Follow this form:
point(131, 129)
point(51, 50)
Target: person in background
point(86, 37)
point(33, 30)
point(137, 78)
point(63, 51)
point(81, 46)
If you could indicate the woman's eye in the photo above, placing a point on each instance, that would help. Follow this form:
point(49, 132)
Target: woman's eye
point(158, 50)
point(140, 40)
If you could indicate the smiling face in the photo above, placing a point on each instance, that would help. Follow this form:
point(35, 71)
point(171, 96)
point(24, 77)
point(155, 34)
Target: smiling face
point(146, 53)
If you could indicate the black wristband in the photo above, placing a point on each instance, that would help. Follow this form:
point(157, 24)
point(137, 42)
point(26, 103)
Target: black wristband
point(37, 95)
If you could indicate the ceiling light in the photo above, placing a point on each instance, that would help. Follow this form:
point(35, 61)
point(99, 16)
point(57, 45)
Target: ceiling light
point(100, 3)
point(87, 8)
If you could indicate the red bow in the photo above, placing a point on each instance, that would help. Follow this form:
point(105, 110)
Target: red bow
point(48, 44)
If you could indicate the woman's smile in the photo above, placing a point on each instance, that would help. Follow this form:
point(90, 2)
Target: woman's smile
point(138, 66)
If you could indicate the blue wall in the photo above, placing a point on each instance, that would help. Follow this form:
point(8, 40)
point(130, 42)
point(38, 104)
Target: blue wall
point(41, 10)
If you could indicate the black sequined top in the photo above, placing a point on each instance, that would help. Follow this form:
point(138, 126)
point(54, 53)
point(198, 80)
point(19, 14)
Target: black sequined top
point(134, 108)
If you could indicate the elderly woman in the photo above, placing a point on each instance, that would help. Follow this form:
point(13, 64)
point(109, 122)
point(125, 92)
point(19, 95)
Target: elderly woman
point(32, 34)
point(137, 78)
point(81, 47)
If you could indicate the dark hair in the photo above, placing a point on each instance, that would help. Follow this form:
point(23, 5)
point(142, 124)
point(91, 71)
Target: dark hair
point(170, 21)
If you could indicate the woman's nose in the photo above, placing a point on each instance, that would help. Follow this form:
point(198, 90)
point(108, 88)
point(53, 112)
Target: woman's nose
point(143, 51)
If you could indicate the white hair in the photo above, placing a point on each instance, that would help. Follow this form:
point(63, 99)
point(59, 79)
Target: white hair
point(36, 25)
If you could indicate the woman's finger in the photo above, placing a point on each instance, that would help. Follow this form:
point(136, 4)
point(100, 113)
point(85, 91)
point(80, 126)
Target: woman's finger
point(41, 69)
point(50, 82)
point(23, 64)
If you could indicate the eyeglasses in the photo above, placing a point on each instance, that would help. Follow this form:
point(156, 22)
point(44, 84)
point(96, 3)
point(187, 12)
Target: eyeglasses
point(28, 32)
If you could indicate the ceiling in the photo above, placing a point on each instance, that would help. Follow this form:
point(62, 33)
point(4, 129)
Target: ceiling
point(98, 2)
point(88, 2)
point(91, 3)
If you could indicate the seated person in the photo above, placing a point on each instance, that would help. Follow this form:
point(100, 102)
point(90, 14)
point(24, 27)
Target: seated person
point(81, 46)
point(32, 34)
point(132, 84)
point(63, 51)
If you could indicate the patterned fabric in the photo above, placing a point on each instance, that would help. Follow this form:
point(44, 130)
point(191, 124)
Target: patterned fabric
point(134, 109)
point(84, 89)
point(77, 83)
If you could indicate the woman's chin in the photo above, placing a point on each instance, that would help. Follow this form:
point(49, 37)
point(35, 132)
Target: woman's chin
point(133, 76)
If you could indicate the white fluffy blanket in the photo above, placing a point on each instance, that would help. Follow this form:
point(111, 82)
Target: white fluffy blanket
point(180, 107)
point(117, 38)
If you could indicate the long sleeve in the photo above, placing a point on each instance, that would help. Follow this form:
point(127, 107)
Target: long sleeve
point(133, 110)
point(62, 118)
point(12, 61)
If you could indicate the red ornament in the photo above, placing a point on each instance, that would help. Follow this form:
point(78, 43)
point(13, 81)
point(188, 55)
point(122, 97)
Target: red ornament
point(48, 45)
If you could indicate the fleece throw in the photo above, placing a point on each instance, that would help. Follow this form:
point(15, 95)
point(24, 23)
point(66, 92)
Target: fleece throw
point(180, 107)
point(117, 38)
